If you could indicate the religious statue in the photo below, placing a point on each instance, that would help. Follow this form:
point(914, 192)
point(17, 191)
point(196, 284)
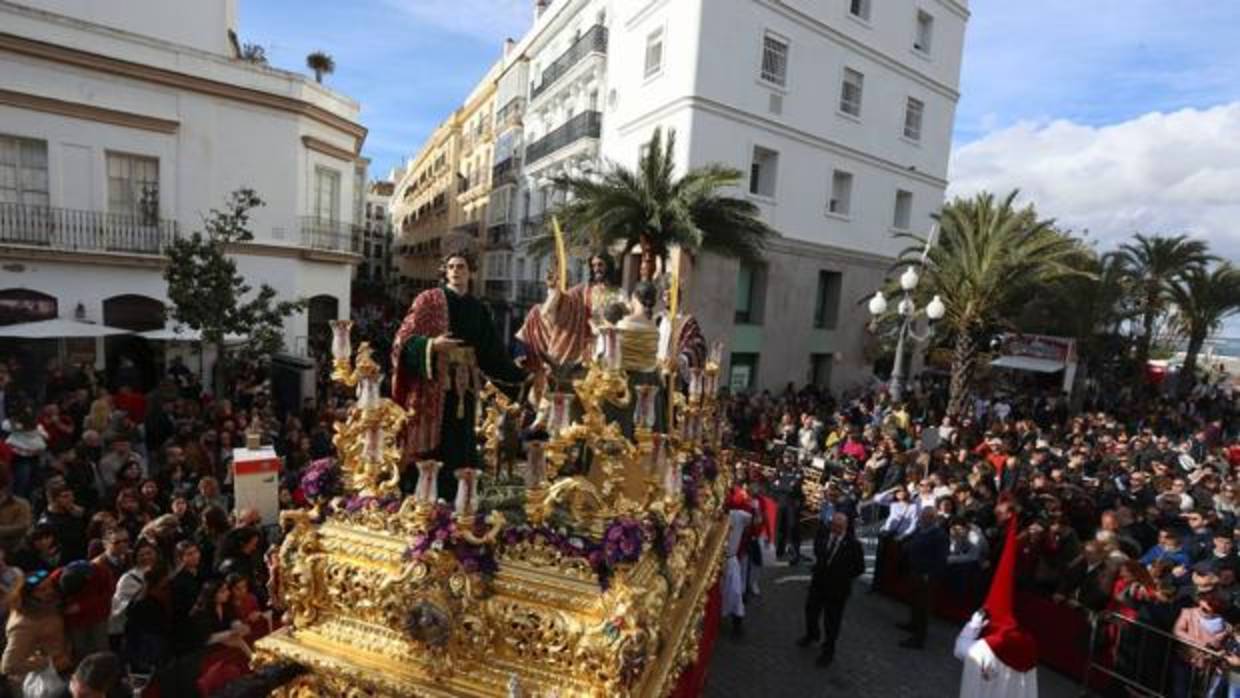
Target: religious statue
point(444, 347)
point(639, 356)
point(688, 350)
point(560, 333)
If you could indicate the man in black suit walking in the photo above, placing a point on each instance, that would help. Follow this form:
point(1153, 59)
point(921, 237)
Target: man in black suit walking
point(838, 561)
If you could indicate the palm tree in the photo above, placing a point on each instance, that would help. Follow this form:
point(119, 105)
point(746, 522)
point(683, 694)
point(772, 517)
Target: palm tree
point(321, 63)
point(1203, 299)
point(1154, 264)
point(988, 256)
point(651, 209)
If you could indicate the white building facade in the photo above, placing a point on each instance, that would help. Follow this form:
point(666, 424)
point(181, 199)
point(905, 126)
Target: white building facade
point(123, 124)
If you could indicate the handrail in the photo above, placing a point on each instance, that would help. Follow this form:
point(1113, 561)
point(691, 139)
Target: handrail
point(80, 230)
point(587, 124)
point(594, 40)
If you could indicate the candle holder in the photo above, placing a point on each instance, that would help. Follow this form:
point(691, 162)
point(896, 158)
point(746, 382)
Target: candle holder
point(535, 480)
point(646, 407)
point(372, 444)
point(561, 413)
point(427, 492)
point(368, 392)
point(466, 504)
point(613, 358)
point(695, 386)
point(342, 350)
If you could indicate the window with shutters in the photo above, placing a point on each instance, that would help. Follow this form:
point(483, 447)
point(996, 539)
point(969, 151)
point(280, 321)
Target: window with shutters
point(775, 60)
point(925, 31)
point(762, 172)
point(850, 92)
point(840, 202)
point(326, 194)
point(133, 185)
point(913, 111)
point(654, 53)
point(859, 9)
point(23, 171)
point(827, 300)
point(902, 216)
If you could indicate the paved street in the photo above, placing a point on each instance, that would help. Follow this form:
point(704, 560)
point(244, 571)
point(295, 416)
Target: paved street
point(765, 661)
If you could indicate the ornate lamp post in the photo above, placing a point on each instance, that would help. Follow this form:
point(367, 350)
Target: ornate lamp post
point(909, 312)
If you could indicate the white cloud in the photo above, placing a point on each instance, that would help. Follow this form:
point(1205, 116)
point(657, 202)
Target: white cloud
point(1158, 173)
point(487, 20)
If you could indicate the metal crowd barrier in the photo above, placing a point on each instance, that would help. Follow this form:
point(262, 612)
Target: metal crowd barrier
point(1130, 658)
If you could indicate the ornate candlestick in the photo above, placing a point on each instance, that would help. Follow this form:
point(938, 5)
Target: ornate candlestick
point(342, 350)
point(466, 504)
point(535, 480)
point(561, 413)
point(427, 492)
point(644, 410)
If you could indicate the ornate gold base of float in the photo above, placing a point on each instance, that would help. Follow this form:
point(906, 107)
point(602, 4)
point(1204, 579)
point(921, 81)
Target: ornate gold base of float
point(561, 585)
point(547, 625)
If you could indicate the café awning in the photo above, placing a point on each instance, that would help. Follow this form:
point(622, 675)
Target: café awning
point(1028, 363)
point(58, 328)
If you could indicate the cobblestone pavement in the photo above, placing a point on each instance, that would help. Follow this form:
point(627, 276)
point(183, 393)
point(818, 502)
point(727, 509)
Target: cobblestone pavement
point(765, 661)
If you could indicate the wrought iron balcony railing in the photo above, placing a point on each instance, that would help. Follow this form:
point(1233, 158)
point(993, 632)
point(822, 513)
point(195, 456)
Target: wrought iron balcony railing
point(497, 289)
point(593, 41)
point(500, 237)
point(332, 236)
point(587, 124)
point(531, 291)
point(91, 231)
point(505, 171)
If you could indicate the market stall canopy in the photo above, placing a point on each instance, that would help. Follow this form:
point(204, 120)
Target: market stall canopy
point(58, 328)
point(1028, 363)
point(184, 334)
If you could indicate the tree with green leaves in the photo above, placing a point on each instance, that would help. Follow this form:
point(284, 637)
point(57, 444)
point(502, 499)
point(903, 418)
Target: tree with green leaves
point(1203, 299)
point(321, 63)
point(988, 254)
point(1154, 264)
point(210, 296)
point(652, 209)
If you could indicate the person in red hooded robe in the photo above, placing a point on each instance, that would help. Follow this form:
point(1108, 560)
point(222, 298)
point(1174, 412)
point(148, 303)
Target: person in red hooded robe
point(1000, 657)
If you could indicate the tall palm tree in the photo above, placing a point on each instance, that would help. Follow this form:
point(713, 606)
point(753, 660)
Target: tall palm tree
point(652, 209)
point(1154, 264)
point(987, 257)
point(1203, 299)
point(321, 63)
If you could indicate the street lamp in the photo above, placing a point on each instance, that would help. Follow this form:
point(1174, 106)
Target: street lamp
point(908, 313)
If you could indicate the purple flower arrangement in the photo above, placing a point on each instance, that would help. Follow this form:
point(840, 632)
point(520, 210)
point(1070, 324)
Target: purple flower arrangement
point(357, 503)
point(321, 481)
point(442, 534)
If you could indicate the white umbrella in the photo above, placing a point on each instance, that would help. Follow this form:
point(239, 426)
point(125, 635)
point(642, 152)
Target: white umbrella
point(184, 334)
point(59, 328)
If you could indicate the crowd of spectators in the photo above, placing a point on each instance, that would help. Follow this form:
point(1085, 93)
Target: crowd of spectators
point(120, 544)
point(1127, 505)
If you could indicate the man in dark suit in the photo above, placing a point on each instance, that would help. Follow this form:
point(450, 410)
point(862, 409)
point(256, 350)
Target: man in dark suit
point(838, 560)
point(926, 551)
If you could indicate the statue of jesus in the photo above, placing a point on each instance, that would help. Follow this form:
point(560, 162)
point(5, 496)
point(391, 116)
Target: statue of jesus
point(444, 347)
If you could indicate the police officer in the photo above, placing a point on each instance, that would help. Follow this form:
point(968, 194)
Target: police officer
point(790, 497)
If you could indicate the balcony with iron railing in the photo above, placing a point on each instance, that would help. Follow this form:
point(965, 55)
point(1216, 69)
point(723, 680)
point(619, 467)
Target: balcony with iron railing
point(500, 237)
point(531, 291)
point(587, 124)
point(330, 236)
point(511, 113)
point(593, 41)
point(84, 231)
point(505, 171)
point(497, 289)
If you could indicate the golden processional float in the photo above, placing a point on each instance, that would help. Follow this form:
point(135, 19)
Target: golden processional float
point(582, 568)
